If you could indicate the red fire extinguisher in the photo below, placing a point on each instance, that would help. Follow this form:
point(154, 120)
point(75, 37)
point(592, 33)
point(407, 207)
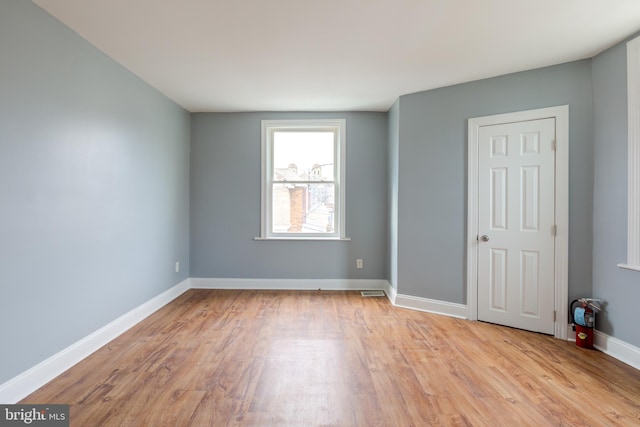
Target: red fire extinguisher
point(583, 319)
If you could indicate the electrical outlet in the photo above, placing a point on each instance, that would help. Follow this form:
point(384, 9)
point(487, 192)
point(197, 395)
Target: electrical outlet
point(358, 263)
point(177, 266)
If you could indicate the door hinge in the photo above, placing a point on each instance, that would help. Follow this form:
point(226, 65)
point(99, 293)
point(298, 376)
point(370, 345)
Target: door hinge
point(554, 145)
point(554, 230)
point(554, 315)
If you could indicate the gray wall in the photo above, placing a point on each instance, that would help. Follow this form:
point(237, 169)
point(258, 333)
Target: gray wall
point(225, 203)
point(94, 170)
point(94, 189)
point(432, 173)
point(618, 288)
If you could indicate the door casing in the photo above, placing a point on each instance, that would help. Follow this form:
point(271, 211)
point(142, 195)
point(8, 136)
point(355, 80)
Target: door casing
point(561, 115)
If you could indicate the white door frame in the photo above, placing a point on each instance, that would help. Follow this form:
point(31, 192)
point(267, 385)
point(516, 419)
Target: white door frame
point(561, 114)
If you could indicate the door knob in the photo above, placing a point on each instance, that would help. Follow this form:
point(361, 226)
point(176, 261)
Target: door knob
point(484, 238)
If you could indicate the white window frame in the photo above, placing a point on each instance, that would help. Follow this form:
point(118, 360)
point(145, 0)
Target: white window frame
point(633, 100)
point(339, 126)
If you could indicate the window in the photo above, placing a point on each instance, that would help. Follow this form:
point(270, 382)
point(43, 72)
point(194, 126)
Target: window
point(303, 179)
point(633, 89)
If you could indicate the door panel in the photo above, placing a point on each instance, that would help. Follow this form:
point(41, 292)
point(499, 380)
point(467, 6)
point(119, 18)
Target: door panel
point(516, 192)
point(498, 279)
point(499, 198)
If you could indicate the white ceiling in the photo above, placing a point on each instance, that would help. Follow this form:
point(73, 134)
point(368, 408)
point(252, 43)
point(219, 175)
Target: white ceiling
point(331, 55)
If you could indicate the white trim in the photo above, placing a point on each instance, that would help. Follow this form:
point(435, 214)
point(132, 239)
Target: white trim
point(611, 346)
point(633, 190)
point(432, 306)
point(339, 126)
point(617, 349)
point(561, 114)
point(292, 284)
point(630, 267)
point(391, 292)
point(306, 239)
point(29, 381)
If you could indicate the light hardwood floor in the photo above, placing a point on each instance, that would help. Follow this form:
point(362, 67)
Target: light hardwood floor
point(320, 358)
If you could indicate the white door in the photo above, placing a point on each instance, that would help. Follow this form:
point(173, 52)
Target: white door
point(516, 193)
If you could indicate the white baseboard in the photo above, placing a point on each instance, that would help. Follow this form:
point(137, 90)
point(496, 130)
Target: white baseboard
point(293, 284)
point(617, 349)
point(611, 346)
point(29, 381)
point(391, 292)
point(432, 306)
point(571, 334)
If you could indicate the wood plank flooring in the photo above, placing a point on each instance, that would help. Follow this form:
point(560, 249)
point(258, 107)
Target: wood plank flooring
point(322, 358)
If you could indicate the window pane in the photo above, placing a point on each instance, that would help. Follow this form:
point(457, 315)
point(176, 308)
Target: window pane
point(303, 156)
point(303, 208)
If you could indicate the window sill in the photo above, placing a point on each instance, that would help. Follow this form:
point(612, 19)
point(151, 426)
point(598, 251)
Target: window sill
point(323, 239)
point(630, 267)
